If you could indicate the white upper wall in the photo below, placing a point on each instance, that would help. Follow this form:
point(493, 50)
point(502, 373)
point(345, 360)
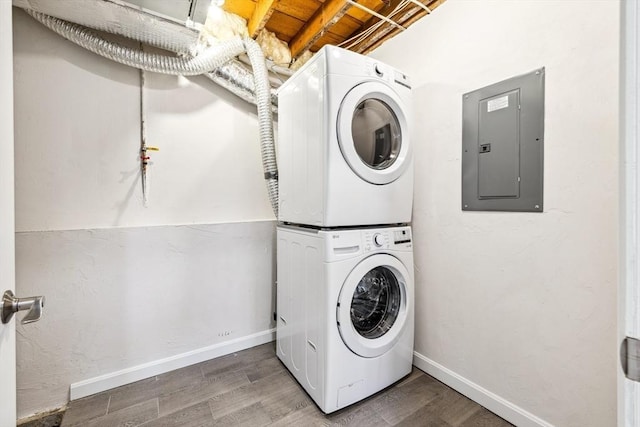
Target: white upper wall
point(521, 304)
point(78, 140)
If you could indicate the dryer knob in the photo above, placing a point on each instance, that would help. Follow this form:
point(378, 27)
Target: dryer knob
point(378, 240)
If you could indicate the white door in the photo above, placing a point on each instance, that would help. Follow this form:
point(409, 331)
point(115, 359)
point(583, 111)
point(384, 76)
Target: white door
point(629, 308)
point(7, 250)
point(373, 133)
point(372, 306)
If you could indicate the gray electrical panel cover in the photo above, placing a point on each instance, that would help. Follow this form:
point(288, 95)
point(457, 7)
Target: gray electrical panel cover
point(503, 145)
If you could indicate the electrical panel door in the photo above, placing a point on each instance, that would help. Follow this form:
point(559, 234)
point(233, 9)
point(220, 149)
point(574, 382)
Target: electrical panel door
point(502, 145)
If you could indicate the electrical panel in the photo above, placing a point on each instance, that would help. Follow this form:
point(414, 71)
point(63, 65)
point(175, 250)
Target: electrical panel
point(502, 145)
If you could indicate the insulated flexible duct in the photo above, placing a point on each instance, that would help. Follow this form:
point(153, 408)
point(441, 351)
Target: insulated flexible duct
point(234, 77)
point(203, 63)
point(208, 60)
point(111, 16)
point(265, 120)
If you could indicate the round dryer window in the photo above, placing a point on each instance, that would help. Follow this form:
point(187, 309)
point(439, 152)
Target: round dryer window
point(372, 306)
point(376, 133)
point(373, 134)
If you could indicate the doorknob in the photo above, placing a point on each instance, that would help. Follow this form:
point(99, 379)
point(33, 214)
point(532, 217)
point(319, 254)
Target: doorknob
point(11, 305)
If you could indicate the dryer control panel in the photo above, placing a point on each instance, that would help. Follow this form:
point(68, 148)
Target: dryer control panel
point(387, 73)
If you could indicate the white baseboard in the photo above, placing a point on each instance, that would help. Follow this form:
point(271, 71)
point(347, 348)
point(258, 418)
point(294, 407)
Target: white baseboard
point(496, 404)
point(157, 367)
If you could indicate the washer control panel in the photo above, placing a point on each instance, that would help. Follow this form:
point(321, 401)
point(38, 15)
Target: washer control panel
point(386, 238)
point(402, 236)
point(344, 244)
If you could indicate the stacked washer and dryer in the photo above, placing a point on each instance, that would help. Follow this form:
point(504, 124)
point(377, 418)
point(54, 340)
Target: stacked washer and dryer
point(345, 315)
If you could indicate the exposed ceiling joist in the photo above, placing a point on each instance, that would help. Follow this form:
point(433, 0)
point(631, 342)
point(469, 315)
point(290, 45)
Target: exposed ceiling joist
point(387, 10)
point(432, 5)
point(405, 17)
point(327, 14)
point(260, 16)
point(358, 25)
point(376, 14)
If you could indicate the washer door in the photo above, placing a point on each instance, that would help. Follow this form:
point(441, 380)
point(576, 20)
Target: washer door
point(373, 134)
point(372, 306)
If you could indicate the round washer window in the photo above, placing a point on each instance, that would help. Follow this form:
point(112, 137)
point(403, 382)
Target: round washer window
point(376, 133)
point(376, 303)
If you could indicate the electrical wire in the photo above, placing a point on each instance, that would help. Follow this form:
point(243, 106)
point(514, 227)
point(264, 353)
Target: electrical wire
point(377, 15)
point(364, 34)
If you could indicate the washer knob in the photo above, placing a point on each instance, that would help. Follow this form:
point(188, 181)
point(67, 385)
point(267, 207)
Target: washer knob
point(378, 239)
point(378, 70)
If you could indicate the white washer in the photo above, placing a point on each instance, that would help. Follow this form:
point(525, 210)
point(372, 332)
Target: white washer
point(344, 145)
point(345, 310)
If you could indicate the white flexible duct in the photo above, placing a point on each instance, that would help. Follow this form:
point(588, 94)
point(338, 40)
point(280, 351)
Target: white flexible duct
point(204, 63)
point(116, 17)
point(208, 60)
point(265, 120)
point(239, 81)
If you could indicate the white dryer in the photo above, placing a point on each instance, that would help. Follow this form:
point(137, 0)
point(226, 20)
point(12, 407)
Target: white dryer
point(344, 144)
point(345, 310)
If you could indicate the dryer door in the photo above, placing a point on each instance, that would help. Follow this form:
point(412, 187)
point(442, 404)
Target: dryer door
point(373, 134)
point(372, 306)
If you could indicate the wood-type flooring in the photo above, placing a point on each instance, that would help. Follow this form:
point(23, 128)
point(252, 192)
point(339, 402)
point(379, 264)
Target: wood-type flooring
point(253, 388)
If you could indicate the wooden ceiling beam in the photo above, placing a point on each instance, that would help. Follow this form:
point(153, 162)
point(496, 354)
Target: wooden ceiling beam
point(384, 28)
point(260, 16)
point(327, 14)
point(385, 10)
point(363, 16)
point(405, 18)
point(432, 5)
point(384, 31)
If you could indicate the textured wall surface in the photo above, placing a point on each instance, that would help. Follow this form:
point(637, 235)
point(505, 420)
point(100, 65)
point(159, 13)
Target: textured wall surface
point(118, 298)
point(523, 305)
point(78, 141)
point(124, 284)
